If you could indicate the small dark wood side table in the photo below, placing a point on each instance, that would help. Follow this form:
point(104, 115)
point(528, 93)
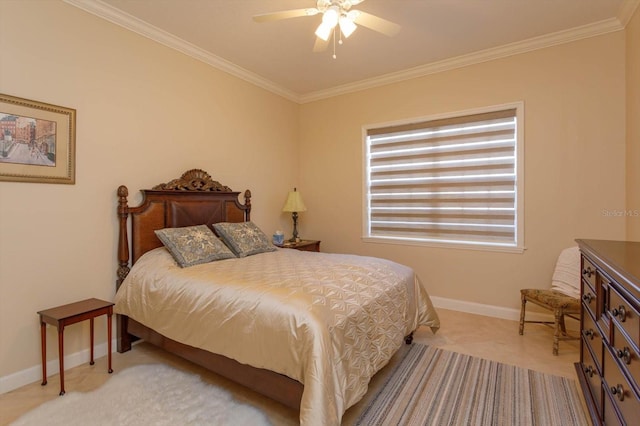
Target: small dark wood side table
point(64, 315)
point(303, 245)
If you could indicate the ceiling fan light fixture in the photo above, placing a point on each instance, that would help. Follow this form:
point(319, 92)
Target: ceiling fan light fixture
point(347, 26)
point(324, 31)
point(334, 13)
point(330, 19)
point(331, 16)
point(352, 15)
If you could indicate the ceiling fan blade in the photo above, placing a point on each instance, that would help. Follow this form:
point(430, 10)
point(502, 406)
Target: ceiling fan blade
point(376, 23)
point(285, 14)
point(320, 45)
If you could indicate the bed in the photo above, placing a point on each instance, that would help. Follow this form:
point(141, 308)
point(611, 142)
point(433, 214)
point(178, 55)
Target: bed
point(269, 321)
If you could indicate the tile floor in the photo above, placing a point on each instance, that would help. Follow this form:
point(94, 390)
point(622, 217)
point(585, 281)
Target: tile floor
point(480, 336)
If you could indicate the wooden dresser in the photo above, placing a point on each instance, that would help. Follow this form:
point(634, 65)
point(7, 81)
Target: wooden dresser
point(609, 367)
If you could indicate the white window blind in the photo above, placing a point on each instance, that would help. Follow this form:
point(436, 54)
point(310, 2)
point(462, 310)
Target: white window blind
point(452, 180)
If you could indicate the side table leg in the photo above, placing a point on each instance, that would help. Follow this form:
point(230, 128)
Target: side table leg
point(61, 356)
point(109, 340)
point(91, 333)
point(43, 342)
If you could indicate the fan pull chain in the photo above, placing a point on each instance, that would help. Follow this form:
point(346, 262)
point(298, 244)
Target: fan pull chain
point(334, 43)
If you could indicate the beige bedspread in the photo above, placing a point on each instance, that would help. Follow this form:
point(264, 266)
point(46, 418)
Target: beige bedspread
point(329, 321)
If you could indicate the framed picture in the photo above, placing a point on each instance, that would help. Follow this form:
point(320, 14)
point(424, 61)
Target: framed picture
point(37, 141)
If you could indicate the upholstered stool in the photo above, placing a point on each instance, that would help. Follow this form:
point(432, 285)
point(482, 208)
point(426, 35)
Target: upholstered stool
point(557, 302)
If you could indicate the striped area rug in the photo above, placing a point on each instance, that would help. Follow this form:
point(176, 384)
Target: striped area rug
point(432, 386)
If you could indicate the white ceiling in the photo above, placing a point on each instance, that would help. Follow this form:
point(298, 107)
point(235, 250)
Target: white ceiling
point(435, 35)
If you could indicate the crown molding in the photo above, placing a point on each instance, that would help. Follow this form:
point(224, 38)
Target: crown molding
point(123, 19)
point(626, 11)
point(541, 42)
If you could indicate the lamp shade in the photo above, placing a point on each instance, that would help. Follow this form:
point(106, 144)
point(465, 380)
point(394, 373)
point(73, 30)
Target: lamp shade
point(294, 203)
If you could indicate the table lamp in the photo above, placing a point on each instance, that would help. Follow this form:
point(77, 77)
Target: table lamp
point(294, 205)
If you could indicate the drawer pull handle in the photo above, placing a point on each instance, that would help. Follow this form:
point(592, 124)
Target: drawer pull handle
point(590, 334)
point(588, 272)
point(587, 297)
point(589, 370)
point(620, 312)
point(619, 391)
point(625, 355)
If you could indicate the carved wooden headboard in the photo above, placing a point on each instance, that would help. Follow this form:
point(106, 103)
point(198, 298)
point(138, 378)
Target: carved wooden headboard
point(192, 199)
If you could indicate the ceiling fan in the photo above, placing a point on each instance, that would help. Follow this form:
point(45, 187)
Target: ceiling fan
point(337, 17)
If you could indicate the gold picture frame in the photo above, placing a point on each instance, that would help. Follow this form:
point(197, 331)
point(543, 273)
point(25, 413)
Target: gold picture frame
point(37, 141)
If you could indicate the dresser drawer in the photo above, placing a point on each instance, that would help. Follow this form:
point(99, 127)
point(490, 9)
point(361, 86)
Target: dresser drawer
point(620, 391)
point(627, 356)
point(590, 299)
point(625, 316)
point(610, 416)
point(592, 337)
point(592, 373)
point(604, 284)
point(589, 271)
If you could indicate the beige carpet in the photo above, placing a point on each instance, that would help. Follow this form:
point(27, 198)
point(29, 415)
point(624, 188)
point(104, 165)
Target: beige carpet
point(432, 386)
point(153, 395)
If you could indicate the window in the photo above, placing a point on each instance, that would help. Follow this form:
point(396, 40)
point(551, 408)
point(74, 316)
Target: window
point(454, 180)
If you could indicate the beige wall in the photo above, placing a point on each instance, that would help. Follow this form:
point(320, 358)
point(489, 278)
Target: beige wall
point(145, 114)
point(574, 162)
point(633, 127)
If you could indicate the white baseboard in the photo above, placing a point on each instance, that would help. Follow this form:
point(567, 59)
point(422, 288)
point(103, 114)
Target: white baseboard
point(487, 310)
point(34, 374)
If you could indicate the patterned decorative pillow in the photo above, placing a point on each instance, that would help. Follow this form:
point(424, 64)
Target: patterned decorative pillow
point(193, 245)
point(244, 238)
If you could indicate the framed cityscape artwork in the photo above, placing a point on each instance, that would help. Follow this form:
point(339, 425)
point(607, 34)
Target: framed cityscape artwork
point(37, 141)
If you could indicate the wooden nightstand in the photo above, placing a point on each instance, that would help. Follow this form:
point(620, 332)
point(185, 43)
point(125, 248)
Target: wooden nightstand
point(72, 313)
point(303, 245)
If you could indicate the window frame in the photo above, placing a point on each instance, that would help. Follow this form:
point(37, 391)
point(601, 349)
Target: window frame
point(519, 245)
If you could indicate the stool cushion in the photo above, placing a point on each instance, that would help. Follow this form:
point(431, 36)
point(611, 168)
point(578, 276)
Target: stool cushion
point(552, 298)
point(566, 276)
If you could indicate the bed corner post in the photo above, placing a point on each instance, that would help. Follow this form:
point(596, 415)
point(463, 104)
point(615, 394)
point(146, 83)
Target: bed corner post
point(247, 203)
point(123, 338)
point(123, 238)
point(409, 338)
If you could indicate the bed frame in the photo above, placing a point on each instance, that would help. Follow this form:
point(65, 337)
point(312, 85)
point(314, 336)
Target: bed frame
point(192, 199)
